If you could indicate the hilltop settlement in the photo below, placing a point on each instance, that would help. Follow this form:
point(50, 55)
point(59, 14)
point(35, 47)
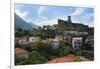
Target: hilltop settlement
point(63, 42)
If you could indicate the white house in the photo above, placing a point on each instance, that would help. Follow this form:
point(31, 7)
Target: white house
point(21, 41)
point(60, 38)
point(34, 39)
point(77, 42)
point(55, 43)
point(21, 53)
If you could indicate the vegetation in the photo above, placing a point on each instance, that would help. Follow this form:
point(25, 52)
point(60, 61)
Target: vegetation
point(41, 32)
point(37, 58)
point(22, 33)
point(41, 50)
point(77, 58)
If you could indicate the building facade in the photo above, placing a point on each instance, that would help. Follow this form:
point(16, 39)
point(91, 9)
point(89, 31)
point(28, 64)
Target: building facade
point(55, 43)
point(33, 39)
point(21, 41)
point(77, 42)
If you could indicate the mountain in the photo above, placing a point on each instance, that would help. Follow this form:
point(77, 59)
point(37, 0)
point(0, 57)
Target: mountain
point(33, 25)
point(20, 23)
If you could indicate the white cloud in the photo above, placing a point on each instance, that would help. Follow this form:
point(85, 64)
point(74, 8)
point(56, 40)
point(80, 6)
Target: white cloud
point(91, 24)
point(43, 17)
point(19, 6)
point(21, 14)
point(78, 11)
point(47, 22)
point(52, 21)
point(84, 21)
point(55, 21)
point(63, 17)
point(41, 11)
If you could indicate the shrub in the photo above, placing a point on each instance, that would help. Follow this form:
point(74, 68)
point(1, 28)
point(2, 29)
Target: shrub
point(77, 58)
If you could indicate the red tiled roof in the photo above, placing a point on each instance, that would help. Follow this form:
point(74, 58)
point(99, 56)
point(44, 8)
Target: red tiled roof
point(20, 51)
point(68, 58)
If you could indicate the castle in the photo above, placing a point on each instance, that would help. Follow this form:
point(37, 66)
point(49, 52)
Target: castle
point(69, 25)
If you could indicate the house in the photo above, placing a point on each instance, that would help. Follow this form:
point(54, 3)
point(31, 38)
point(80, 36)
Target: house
point(68, 39)
point(21, 41)
point(83, 33)
point(70, 32)
point(21, 53)
point(55, 43)
point(77, 42)
point(74, 32)
point(33, 39)
point(17, 40)
point(59, 37)
point(90, 40)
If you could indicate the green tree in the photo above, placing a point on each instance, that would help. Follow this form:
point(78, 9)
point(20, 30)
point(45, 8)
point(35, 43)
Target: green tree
point(37, 58)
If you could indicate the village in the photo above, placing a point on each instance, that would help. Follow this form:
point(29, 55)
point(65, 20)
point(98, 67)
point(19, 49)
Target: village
point(62, 42)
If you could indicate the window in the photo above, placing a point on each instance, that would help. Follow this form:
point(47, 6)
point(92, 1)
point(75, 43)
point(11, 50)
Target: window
point(79, 46)
point(75, 46)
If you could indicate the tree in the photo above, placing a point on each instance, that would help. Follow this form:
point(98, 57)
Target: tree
point(37, 58)
point(37, 44)
point(19, 60)
point(22, 33)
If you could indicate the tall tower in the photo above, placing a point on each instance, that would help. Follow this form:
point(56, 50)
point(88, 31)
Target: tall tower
point(69, 19)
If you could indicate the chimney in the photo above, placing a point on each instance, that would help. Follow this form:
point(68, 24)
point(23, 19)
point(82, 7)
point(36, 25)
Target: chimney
point(69, 19)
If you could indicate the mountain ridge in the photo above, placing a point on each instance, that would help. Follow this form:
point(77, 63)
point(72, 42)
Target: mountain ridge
point(20, 23)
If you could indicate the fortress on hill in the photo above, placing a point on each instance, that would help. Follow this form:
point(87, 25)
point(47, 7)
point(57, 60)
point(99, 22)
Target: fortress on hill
point(69, 25)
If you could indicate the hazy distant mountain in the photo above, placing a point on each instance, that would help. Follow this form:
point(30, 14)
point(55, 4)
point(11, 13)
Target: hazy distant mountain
point(20, 23)
point(33, 25)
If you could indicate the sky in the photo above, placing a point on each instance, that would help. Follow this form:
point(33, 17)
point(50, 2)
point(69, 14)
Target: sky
point(48, 15)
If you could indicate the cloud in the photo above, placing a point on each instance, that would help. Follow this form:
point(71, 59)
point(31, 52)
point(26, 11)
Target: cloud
point(51, 21)
point(78, 11)
point(19, 6)
point(47, 22)
point(80, 15)
point(21, 14)
point(49, 15)
point(41, 11)
point(91, 24)
point(43, 17)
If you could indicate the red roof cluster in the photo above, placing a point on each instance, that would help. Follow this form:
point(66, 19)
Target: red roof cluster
point(68, 58)
point(20, 51)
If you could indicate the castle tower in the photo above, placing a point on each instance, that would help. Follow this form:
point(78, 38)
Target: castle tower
point(69, 19)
